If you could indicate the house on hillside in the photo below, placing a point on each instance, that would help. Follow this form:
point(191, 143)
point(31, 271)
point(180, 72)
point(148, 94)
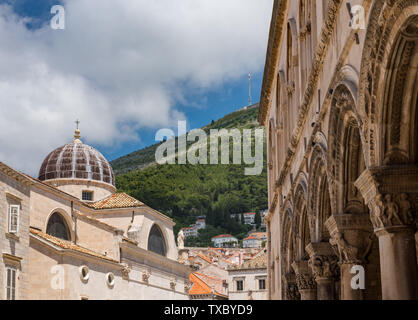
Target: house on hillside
point(259, 235)
point(224, 240)
point(193, 230)
point(251, 242)
point(190, 232)
point(249, 218)
point(201, 223)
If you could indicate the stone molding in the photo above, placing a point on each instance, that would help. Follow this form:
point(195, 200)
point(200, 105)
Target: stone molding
point(146, 275)
point(173, 283)
point(125, 271)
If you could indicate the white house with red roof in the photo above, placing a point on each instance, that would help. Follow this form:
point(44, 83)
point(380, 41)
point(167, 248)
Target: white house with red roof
point(190, 231)
point(251, 242)
point(200, 223)
point(249, 218)
point(224, 240)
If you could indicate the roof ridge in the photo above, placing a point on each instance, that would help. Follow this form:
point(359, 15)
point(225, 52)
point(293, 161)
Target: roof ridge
point(121, 200)
point(204, 285)
point(208, 276)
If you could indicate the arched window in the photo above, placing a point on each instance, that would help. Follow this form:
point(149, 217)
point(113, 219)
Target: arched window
point(156, 241)
point(57, 227)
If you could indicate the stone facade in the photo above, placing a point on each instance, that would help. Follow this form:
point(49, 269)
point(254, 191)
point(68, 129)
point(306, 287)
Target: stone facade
point(14, 247)
point(114, 247)
point(340, 107)
point(253, 277)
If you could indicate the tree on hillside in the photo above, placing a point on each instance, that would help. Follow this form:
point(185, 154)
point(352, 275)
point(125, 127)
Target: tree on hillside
point(257, 219)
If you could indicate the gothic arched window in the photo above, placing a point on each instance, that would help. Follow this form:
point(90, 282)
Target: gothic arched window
point(57, 227)
point(156, 241)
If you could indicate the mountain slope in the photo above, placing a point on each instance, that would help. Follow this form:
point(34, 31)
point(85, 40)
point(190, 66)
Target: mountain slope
point(242, 119)
point(184, 192)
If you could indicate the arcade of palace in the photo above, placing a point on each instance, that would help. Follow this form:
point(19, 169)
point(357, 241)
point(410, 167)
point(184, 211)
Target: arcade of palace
point(340, 107)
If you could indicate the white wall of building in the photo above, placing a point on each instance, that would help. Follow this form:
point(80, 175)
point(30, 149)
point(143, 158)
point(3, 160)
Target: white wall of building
point(251, 285)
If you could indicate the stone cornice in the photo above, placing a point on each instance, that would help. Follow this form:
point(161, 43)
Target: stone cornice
point(96, 222)
point(156, 259)
point(143, 209)
point(15, 174)
point(11, 259)
point(277, 31)
point(71, 181)
point(76, 254)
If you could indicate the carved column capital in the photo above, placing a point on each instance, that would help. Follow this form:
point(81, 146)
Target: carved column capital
point(290, 287)
point(304, 276)
point(323, 262)
point(392, 197)
point(351, 237)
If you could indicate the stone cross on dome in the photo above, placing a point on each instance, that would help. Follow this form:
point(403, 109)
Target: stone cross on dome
point(77, 133)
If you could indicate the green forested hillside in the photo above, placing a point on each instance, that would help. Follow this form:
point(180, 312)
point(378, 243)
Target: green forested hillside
point(142, 158)
point(184, 192)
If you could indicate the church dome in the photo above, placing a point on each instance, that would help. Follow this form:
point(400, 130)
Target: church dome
point(77, 160)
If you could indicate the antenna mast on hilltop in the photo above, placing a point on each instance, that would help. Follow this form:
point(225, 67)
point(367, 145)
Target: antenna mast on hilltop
point(249, 90)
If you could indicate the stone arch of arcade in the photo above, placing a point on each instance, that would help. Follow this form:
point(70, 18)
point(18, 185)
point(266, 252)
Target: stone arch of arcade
point(388, 99)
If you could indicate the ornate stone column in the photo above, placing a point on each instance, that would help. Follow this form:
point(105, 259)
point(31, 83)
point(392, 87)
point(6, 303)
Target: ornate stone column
point(352, 239)
point(290, 287)
point(305, 280)
point(392, 196)
point(324, 265)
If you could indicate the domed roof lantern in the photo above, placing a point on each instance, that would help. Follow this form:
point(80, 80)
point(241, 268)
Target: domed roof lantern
point(77, 133)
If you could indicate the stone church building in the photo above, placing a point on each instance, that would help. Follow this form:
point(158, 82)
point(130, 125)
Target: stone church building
point(339, 103)
point(70, 235)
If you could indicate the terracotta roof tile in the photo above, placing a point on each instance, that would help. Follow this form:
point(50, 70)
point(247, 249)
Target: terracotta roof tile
point(116, 201)
point(202, 256)
point(68, 245)
point(259, 234)
point(202, 285)
point(259, 262)
point(223, 236)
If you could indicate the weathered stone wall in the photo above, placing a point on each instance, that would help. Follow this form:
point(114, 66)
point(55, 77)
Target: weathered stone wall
point(337, 108)
point(14, 192)
point(251, 286)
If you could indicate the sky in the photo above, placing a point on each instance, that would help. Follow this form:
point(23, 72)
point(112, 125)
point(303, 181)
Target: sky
point(125, 69)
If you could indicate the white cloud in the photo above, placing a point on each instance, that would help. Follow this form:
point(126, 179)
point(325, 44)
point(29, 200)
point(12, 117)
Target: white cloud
point(118, 68)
